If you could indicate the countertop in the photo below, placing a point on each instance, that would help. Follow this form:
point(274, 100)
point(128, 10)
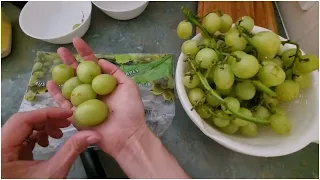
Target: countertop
point(154, 31)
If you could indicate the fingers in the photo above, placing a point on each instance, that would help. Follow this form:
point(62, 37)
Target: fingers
point(67, 154)
point(67, 57)
point(56, 94)
point(84, 50)
point(21, 125)
point(109, 68)
point(42, 138)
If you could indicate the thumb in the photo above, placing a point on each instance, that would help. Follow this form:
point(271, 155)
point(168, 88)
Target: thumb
point(71, 149)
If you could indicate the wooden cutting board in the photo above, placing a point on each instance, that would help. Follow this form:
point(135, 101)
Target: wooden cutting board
point(261, 11)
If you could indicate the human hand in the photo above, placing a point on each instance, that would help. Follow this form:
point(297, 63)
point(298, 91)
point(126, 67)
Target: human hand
point(126, 111)
point(20, 133)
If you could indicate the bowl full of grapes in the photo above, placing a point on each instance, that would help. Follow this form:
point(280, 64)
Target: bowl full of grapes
point(246, 87)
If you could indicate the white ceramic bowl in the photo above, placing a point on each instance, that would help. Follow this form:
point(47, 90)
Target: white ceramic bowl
point(303, 113)
point(122, 10)
point(52, 21)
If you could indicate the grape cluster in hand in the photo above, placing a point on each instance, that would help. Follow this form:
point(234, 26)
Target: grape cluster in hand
point(83, 89)
point(236, 80)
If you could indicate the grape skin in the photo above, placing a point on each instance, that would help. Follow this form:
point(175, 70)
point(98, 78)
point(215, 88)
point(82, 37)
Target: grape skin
point(184, 30)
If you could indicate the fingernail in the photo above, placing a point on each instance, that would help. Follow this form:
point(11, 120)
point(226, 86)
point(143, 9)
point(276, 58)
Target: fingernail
point(93, 139)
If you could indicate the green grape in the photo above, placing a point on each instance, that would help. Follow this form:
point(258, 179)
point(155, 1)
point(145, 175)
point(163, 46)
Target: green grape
point(287, 91)
point(37, 66)
point(204, 111)
point(69, 86)
point(226, 23)
point(39, 74)
point(280, 124)
point(267, 44)
point(87, 71)
point(306, 64)
point(191, 81)
point(235, 41)
point(271, 74)
point(184, 30)
point(212, 101)
point(304, 80)
point(61, 73)
point(57, 61)
point(33, 80)
point(206, 57)
point(224, 92)
point(230, 103)
point(223, 76)
point(82, 93)
point(157, 90)
point(47, 64)
point(222, 115)
point(221, 122)
point(245, 90)
point(209, 43)
point(167, 95)
point(211, 23)
point(230, 129)
point(250, 130)
point(241, 122)
point(29, 96)
point(104, 84)
point(246, 22)
point(278, 61)
point(91, 113)
point(246, 67)
point(196, 96)
point(261, 112)
point(190, 47)
point(288, 56)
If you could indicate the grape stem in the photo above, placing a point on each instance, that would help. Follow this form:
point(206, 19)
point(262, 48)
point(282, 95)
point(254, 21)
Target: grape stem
point(206, 85)
point(296, 56)
point(264, 88)
point(193, 19)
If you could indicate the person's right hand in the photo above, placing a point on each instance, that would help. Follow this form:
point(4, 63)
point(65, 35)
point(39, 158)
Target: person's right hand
point(126, 112)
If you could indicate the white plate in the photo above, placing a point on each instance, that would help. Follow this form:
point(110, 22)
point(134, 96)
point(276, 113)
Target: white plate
point(303, 113)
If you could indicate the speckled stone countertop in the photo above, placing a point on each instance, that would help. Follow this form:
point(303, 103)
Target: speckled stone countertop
point(152, 32)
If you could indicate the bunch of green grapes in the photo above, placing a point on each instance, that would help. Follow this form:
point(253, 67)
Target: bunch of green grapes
point(237, 79)
point(83, 89)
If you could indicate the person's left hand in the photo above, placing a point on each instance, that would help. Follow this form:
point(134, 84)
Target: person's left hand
point(20, 133)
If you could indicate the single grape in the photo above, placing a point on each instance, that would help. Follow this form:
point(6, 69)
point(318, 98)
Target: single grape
point(196, 96)
point(278, 61)
point(287, 91)
point(57, 61)
point(29, 96)
point(245, 90)
point(204, 111)
point(82, 93)
point(246, 67)
point(306, 64)
point(191, 81)
point(246, 22)
point(222, 115)
point(304, 80)
point(91, 113)
point(226, 23)
point(230, 129)
point(184, 30)
point(234, 40)
point(221, 122)
point(261, 112)
point(241, 122)
point(37, 66)
point(267, 44)
point(39, 74)
point(225, 92)
point(206, 57)
point(211, 23)
point(209, 43)
point(69, 86)
point(212, 101)
point(271, 74)
point(87, 71)
point(280, 124)
point(104, 84)
point(61, 73)
point(230, 103)
point(223, 76)
point(250, 130)
point(288, 56)
point(190, 47)
point(33, 80)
